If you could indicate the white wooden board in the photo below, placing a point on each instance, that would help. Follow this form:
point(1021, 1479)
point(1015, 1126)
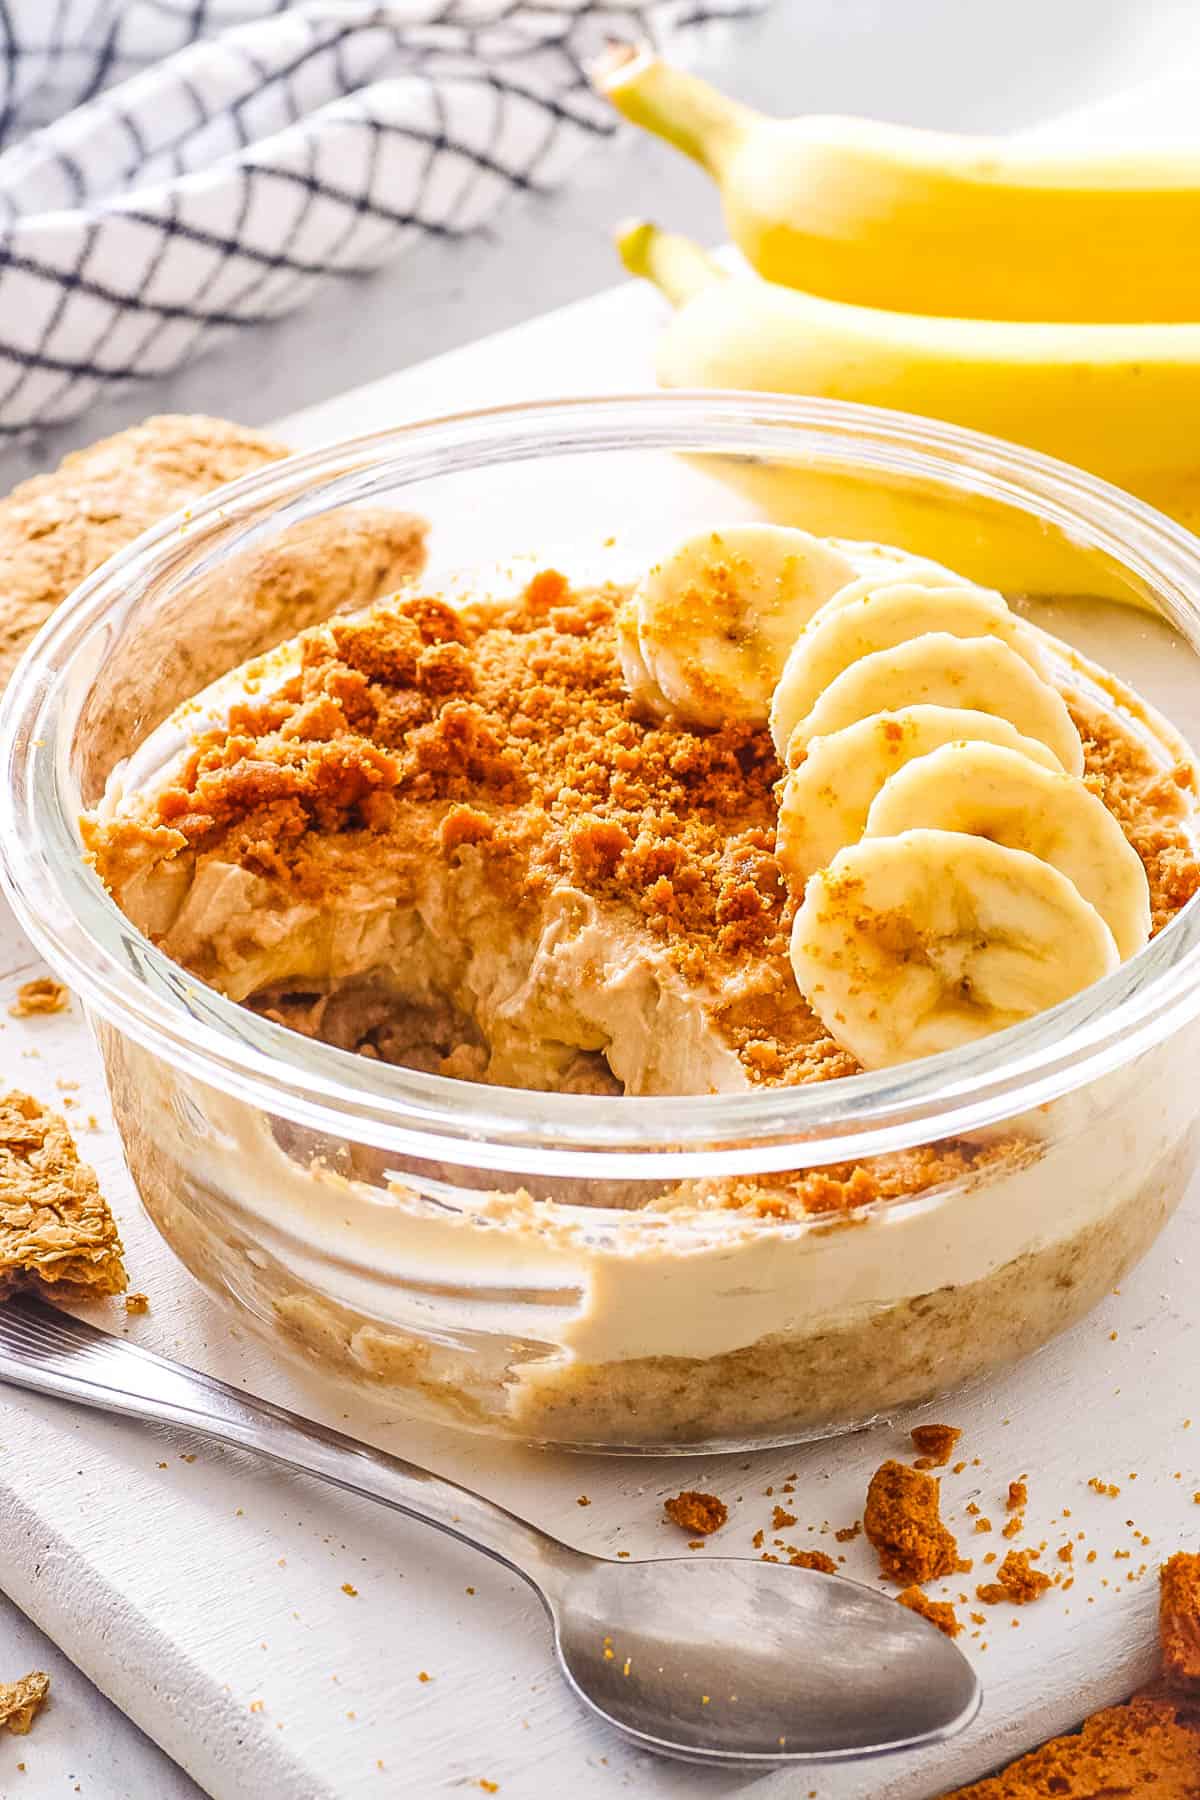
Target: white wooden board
point(205, 1594)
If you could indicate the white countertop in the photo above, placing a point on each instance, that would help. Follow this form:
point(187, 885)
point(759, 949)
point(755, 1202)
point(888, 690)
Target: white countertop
point(936, 62)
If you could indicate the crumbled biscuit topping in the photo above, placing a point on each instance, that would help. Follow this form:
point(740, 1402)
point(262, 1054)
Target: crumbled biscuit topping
point(55, 1226)
point(21, 1701)
point(903, 1521)
point(692, 1511)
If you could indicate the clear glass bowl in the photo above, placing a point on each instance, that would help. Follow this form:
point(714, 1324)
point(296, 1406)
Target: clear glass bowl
point(498, 1256)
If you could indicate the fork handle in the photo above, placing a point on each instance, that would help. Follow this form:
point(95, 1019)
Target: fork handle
point(50, 1352)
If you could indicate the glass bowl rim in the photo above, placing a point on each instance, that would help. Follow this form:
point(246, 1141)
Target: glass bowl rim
point(120, 976)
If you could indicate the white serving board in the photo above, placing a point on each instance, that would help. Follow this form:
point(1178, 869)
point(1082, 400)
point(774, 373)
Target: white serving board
point(205, 1594)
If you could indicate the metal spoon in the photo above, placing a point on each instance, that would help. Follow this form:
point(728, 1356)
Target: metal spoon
point(717, 1660)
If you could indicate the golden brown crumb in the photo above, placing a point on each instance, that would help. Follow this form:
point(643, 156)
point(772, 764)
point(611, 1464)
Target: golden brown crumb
point(137, 1303)
point(695, 1512)
point(934, 1444)
point(21, 1701)
point(903, 1521)
point(1179, 1619)
point(41, 995)
point(1018, 1497)
point(813, 1559)
point(1148, 1746)
point(348, 1588)
point(781, 1519)
point(1017, 1582)
point(1066, 1552)
point(848, 1533)
point(1108, 1488)
point(938, 1612)
point(56, 1230)
point(489, 1787)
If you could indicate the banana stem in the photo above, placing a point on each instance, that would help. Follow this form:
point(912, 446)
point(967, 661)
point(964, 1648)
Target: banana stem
point(702, 122)
point(676, 265)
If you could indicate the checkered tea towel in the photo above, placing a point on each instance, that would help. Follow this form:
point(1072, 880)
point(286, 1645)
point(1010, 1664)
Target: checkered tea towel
point(174, 169)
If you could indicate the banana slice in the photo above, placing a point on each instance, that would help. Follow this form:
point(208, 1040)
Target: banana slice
point(827, 797)
point(886, 559)
point(866, 617)
point(999, 794)
point(907, 946)
point(648, 698)
point(942, 670)
point(716, 619)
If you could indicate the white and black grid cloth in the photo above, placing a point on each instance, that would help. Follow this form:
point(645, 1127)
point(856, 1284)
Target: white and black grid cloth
point(174, 169)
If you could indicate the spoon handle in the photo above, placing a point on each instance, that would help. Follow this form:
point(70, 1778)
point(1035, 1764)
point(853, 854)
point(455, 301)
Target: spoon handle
point(53, 1353)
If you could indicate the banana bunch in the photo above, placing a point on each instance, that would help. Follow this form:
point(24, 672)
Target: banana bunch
point(957, 875)
point(1051, 299)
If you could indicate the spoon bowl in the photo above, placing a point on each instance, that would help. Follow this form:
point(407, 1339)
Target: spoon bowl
point(724, 1659)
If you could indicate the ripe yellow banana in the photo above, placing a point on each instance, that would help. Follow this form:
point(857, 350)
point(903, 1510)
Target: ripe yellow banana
point(922, 222)
point(1122, 401)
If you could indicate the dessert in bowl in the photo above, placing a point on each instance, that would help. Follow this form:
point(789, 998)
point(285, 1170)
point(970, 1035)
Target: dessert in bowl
point(704, 988)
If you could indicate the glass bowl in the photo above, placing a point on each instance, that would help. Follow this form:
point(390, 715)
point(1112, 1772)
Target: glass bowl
point(579, 1269)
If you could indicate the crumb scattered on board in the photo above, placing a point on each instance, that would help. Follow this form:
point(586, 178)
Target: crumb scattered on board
point(938, 1612)
point(813, 1559)
point(1016, 1581)
point(21, 1701)
point(903, 1521)
point(137, 1303)
point(56, 1230)
point(695, 1512)
point(934, 1444)
point(41, 995)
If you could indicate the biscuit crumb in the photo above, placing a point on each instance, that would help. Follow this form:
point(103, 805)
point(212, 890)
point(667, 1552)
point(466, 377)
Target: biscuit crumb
point(903, 1521)
point(1018, 1497)
point(1148, 1746)
point(21, 1701)
point(348, 1588)
point(938, 1612)
point(695, 1512)
point(934, 1444)
point(1016, 1582)
point(56, 1230)
point(1179, 1619)
point(813, 1559)
point(41, 995)
point(137, 1303)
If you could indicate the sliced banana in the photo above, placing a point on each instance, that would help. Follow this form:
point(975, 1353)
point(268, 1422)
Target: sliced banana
point(907, 946)
point(716, 619)
point(942, 670)
point(826, 798)
point(648, 698)
point(870, 559)
point(867, 616)
point(999, 794)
